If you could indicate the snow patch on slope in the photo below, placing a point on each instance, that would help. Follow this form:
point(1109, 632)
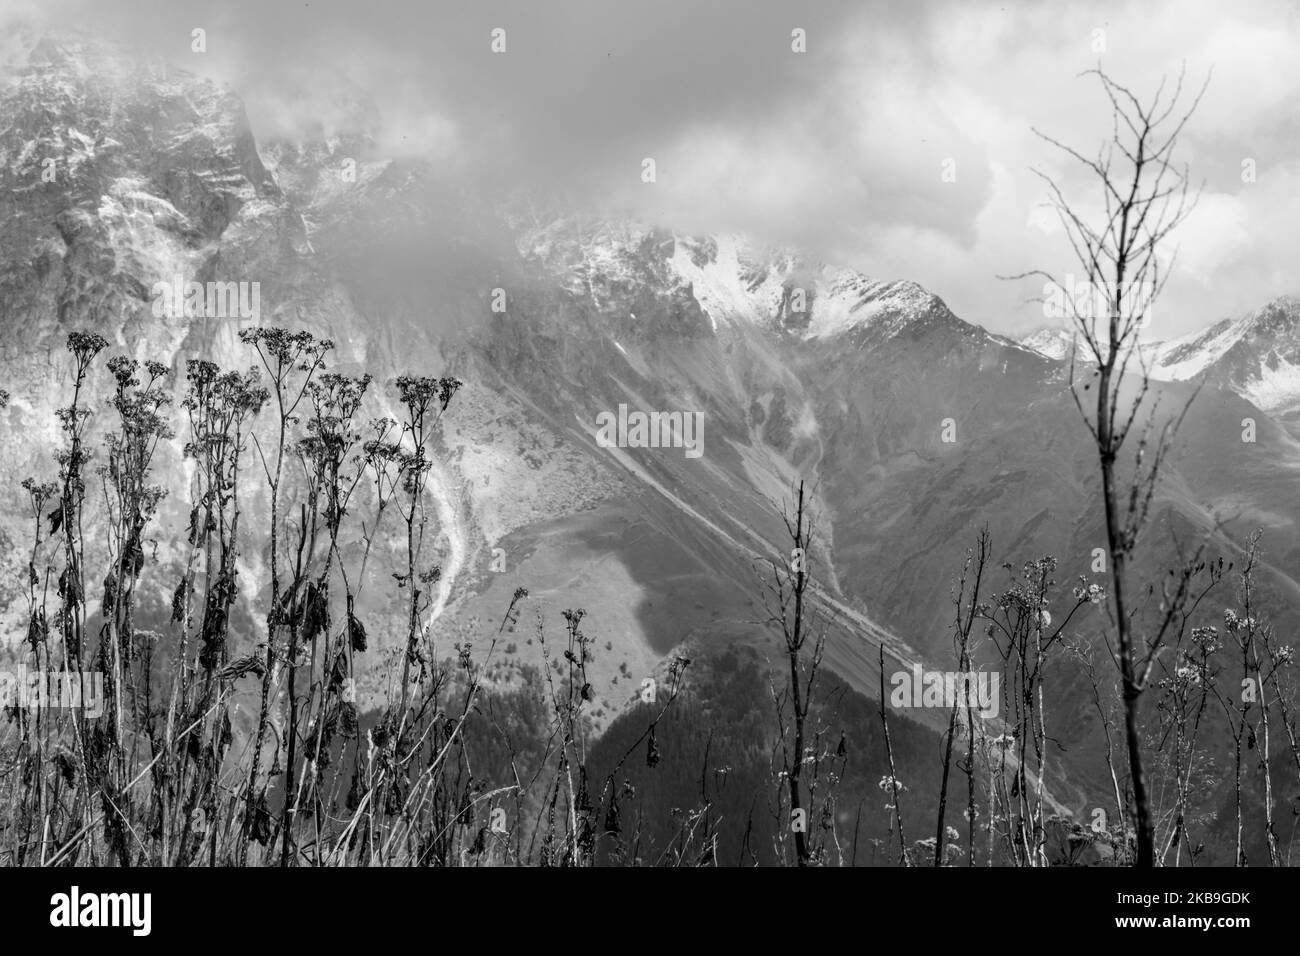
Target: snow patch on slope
point(1186, 357)
point(720, 284)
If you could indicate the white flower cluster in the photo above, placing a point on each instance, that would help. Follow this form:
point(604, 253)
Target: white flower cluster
point(1093, 593)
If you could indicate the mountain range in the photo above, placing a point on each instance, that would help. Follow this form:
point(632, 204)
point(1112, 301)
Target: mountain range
point(914, 428)
point(1256, 355)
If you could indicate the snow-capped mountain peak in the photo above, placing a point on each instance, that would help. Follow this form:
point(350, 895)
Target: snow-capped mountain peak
point(1256, 355)
point(734, 280)
point(1055, 343)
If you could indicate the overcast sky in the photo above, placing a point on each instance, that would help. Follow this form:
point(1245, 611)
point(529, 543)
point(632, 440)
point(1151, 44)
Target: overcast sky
point(839, 151)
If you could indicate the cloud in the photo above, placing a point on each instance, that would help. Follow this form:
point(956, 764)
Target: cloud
point(848, 150)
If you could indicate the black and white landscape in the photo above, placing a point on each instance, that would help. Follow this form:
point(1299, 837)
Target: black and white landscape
point(578, 434)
